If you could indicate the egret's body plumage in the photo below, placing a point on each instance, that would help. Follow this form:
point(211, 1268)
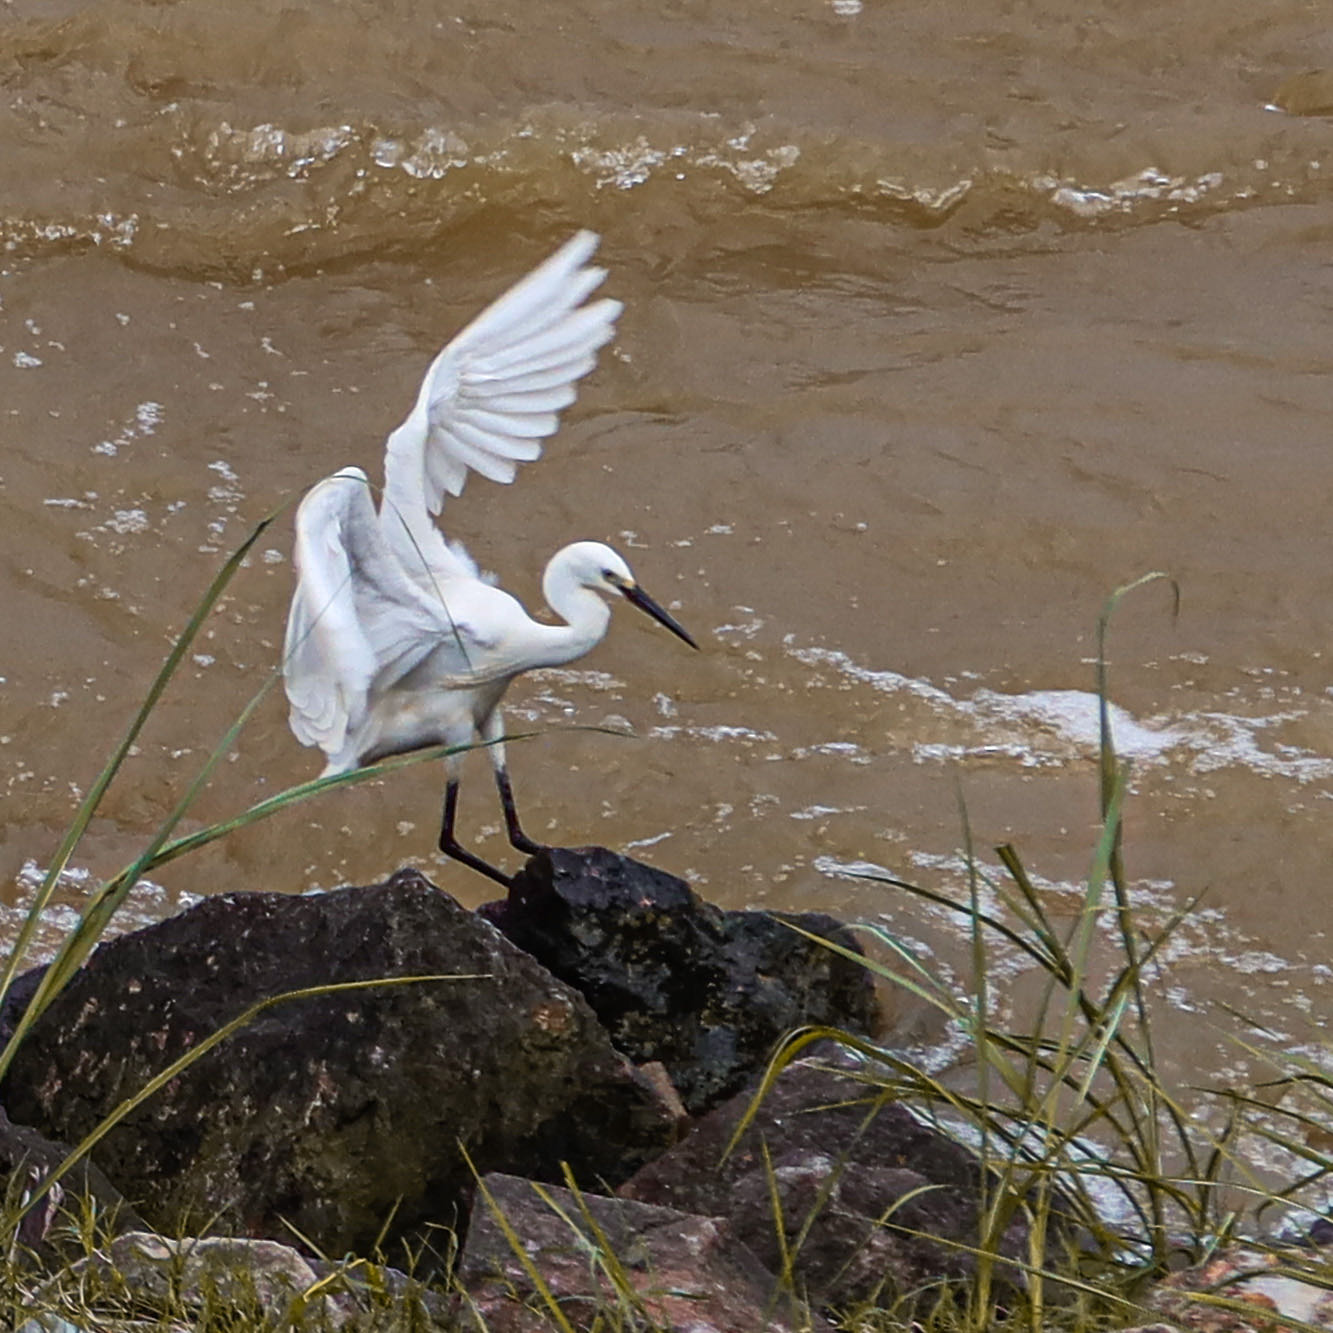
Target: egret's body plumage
point(394, 639)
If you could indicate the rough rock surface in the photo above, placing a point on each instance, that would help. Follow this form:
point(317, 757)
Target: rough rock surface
point(1265, 1289)
point(673, 978)
point(245, 1281)
point(683, 1272)
point(50, 1227)
point(338, 1112)
point(152, 1271)
point(832, 1154)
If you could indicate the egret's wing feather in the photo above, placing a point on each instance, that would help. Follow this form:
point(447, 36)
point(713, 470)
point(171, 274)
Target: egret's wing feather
point(480, 458)
point(565, 372)
point(508, 425)
point(471, 429)
point(584, 330)
point(535, 400)
point(527, 307)
point(357, 622)
point(445, 469)
point(328, 663)
point(491, 396)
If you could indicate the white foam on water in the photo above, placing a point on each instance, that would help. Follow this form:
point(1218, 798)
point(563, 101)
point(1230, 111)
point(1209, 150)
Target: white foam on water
point(714, 733)
point(848, 750)
point(1226, 740)
point(824, 811)
point(1143, 893)
point(886, 682)
point(227, 495)
point(1045, 728)
point(145, 904)
point(126, 521)
point(270, 147)
point(940, 752)
point(591, 680)
point(622, 167)
point(647, 842)
point(1074, 716)
point(147, 418)
point(835, 868)
point(745, 629)
point(1126, 194)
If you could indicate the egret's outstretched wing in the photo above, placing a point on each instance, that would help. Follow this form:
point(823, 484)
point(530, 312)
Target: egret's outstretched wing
point(357, 622)
point(491, 397)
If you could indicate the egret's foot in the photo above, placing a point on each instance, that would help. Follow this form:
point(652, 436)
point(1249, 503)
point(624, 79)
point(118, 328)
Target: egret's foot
point(521, 842)
point(470, 859)
point(517, 838)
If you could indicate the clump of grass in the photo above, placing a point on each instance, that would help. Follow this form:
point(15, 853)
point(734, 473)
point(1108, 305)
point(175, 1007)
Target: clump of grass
point(1075, 1108)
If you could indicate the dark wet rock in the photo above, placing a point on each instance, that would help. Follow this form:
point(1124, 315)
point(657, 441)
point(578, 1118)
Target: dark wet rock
point(339, 1114)
point(868, 1172)
point(673, 978)
point(681, 1271)
point(52, 1225)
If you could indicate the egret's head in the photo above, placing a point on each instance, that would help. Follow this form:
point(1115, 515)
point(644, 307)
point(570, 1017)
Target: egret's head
point(598, 567)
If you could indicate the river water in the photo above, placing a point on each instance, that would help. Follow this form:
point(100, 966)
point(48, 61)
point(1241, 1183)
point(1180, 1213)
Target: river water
point(942, 320)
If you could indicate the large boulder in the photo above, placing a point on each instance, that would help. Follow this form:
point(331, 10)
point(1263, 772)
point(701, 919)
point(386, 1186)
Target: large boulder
point(865, 1201)
point(674, 979)
point(342, 1118)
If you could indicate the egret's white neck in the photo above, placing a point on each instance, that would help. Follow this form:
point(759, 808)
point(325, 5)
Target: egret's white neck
point(585, 612)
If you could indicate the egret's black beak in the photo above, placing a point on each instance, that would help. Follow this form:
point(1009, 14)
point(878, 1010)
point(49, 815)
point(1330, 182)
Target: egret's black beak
point(633, 593)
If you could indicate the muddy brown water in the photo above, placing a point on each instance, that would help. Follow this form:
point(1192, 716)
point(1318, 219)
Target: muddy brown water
point(942, 321)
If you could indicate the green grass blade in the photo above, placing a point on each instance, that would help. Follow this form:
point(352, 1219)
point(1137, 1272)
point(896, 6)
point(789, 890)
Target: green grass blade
point(519, 1250)
point(90, 803)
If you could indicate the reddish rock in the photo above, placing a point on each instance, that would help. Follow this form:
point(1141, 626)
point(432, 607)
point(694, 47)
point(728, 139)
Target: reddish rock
point(869, 1197)
point(1266, 1289)
point(674, 1270)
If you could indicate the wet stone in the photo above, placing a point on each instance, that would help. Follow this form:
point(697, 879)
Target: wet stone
point(705, 992)
point(336, 1115)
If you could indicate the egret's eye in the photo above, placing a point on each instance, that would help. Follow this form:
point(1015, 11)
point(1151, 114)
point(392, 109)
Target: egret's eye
point(611, 576)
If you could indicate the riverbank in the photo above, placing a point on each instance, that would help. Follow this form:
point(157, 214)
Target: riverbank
point(664, 1115)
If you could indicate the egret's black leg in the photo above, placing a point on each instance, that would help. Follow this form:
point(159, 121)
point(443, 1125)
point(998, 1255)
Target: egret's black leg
point(492, 731)
point(517, 838)
point(449, 844)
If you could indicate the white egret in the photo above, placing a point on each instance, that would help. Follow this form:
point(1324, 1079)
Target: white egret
point(394, 639)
